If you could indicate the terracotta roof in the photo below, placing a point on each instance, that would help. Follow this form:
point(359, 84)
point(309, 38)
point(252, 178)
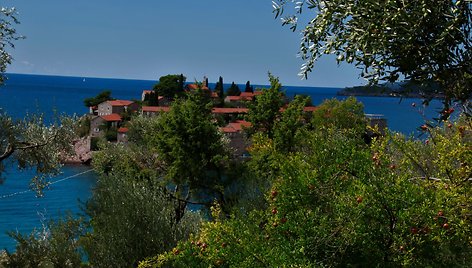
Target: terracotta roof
point(239, 98)
point(155, 109)
point(310, 109)
point(195, 86)
point(120, 102)
point(111, 117)
point(250, 94)
point(123, 130)
point(229, 110)
point(236, 126)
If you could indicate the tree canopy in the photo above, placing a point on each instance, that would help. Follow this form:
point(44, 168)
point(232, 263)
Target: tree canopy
point(101, 97)
point(234, 90)
point(389, 40)
point(170, 85)
point(8, 35)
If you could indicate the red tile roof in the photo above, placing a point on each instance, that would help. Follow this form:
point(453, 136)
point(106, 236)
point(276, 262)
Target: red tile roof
point(229, 110)
point(310, 109)
point(123, 130)
point(195, 86)
point(236, 126)
point(239, 98)
point(250, 94)
point(111, 117)
point(155, 109)
point(120, 102)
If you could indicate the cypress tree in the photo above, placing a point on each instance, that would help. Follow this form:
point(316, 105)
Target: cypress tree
point(249, 88)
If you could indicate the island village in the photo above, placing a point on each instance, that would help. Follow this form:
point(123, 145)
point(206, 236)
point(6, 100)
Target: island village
point(108, 120)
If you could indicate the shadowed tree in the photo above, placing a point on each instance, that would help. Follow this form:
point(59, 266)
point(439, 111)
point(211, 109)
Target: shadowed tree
point(234, 90)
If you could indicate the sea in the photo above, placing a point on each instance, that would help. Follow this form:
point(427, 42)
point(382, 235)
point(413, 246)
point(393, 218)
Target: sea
point(22, 210)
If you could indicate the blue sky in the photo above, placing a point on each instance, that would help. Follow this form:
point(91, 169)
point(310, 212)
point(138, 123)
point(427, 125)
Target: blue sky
point(145, 39)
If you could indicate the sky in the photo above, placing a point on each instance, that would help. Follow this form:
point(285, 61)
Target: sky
point(239, 40)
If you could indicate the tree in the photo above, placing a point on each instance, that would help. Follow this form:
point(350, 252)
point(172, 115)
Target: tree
point(152, 98)
point(131, 215)
point(426, 40)
point(346, 115)
point(249, 88)
point(7, 20)
point(234, 90)
point(265, 110)
point(57, 245)
point(33, 144)
point(101, 97)
point(170, 85)
point(219, 89)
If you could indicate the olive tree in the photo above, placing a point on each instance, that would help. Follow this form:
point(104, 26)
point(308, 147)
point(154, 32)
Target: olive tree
point(8, 36)
point(389, 40)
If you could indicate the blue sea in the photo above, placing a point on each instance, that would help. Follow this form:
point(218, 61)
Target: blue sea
point(21, 210)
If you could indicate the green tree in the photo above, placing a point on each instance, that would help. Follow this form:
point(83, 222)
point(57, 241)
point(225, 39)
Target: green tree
point(265, 110)
point(8, 18)
point(57, 245)
point(30, 143)
point(425, 40)
point(234, 90)
point(132, 216)
point(101, 97)
point(219, 88)
point(249, 88)
point(347, 115)
point(192, 150)
point(170, 85)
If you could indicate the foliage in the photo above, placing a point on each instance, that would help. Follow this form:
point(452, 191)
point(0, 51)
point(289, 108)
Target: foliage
point(170, 85)
point(248, 87)
point(219, 88)
point(191, 150)
point(83, 126)
point(31, 143)
point(101, 97)
point(264, 111)
point(390, 40)
point(132, 216)
point(152, 98)
point(57, 245)
point(8, 18)
point(290, 125)
point(234, 90)
point(339, 202)
point(344, 115)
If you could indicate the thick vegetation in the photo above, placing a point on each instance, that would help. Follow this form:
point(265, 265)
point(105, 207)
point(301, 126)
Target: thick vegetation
point(337, 201)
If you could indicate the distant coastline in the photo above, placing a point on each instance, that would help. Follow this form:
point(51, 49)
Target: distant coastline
point(405, 90)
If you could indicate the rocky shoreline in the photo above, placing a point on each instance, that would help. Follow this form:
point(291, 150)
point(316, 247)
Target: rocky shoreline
point(82, 153)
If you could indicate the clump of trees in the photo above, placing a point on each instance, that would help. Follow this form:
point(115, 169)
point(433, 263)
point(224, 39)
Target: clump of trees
point(170, 86)
point(334, 200)
point(101, 97)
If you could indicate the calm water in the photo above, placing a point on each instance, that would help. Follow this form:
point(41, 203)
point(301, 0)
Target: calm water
point(21, 210)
